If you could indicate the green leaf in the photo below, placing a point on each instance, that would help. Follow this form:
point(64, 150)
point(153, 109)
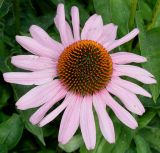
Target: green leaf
point(141, 145)
point(131, 150)
point(120, 12)
point(11, 131)
point(150, 48)
point(47, 151)
point(152, 136)
point(145, 10)
point(1, 2)
point(3, 117)
point(4, 95)
point(75, 143)
point(146, 118)
point(148, 102)
point(103, 11)
point(5, 7)
point(35, 130)
point(156, 16)
point(124, 140)
point(3, 148)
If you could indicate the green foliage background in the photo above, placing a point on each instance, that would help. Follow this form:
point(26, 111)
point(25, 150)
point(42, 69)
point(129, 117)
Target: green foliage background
point(17, 135)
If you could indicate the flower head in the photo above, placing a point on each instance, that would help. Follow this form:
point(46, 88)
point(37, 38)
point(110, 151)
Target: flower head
point(81, 70)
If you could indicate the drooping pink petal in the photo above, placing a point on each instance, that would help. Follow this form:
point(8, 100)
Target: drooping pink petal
point(87, 123)
point(105, 122)
point(124, 39)
point(109, 34)
point(43, 38)
point(141, 78)
point(40, 113)
point(70, 120)
point(52, 115)
point(30, 78)
point(132, 87)
point(63, 26)
point(39, 95)
point(36, 48)
point(94, 22)
point(131, 69)
point(75, 23)
point(129, 99)
point(32, 62)
point(125, 58)
point(123, 115)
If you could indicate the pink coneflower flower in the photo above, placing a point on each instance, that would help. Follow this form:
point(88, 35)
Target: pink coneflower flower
point(82, 71)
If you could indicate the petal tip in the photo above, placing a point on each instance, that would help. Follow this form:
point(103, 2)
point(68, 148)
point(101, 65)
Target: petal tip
point(41, 123)
point(18, 38)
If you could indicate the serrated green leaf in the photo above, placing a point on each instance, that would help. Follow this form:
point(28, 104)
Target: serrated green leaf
point(11, 131)
point(75, 143)
point(141, 145)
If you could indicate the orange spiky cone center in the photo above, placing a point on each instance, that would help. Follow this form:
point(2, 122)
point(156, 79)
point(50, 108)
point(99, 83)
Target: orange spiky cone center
point(84, 67)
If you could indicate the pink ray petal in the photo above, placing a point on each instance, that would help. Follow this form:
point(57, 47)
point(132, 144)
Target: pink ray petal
point(94, 34)
point(87, 123)
point(109, 34)
point(40, 113)
point(43, 38)
point(38, 95)
point(30, 78)
point(94, 22)
point(129, 99)
point(123, 115)
point(32, 62)
point(75, 22)
point(105, 122)
point(36, 48)
point(70, 120)
point(141, 78)
point(130, 69)
point(52, 115)
point(69, 33)
point(61, 23)
point(63, 26)
point(124, 39)
point(125, 58)
point(132, 87)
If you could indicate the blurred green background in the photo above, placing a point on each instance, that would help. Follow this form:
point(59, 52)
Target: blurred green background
point(17, 135)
